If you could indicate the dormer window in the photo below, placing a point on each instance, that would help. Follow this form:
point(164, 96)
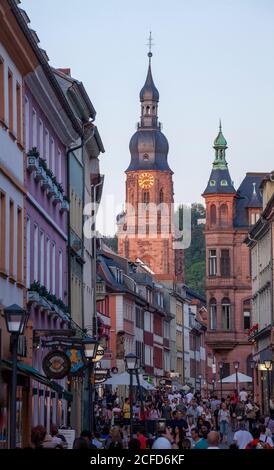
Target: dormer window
point(146, 157)
point(212, 183)
point(224, 183)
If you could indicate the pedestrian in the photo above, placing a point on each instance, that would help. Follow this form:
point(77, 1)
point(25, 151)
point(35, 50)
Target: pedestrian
point(267, 440)
point(198, 442)
point(242, 437)
point(243, 395)
point(141, 437)
point(224, 419)
point(57, 437)
point(115, 440)
point(213, 440)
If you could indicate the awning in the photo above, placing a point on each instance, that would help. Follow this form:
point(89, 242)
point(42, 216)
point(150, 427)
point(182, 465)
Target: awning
point(242, 378)
point(36, 375)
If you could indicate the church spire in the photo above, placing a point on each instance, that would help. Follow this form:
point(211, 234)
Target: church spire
point(220, 181)
point(149, 96)
point(220, 146)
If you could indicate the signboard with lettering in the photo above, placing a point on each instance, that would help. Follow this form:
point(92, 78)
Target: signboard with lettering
point(69, 435)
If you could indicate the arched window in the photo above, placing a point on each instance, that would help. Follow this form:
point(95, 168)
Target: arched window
point(226, 314)
point(213, 214)
point(213, 314)
point(146, 197)
point(161, 196)
point(148, 110)
point(223, 215)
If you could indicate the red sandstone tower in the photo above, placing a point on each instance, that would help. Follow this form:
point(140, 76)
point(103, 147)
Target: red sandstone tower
point(145, 230)
point(229, 215)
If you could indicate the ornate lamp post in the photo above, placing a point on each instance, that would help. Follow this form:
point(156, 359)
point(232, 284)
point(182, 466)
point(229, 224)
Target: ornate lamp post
point(252, 366)
point(221, 376)
point(90, 352)
point(236, 367)
point(268, 366)
point(213, 385)
point(16, 320)
point(200, 382)
point(131, 363)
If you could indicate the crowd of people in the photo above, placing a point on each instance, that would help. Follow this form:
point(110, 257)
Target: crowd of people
point(172, 420)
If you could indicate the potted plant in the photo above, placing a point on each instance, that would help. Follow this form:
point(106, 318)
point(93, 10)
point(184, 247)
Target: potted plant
point(58, 195)
point(65, 204)
point(46, 180)
point(40, 173)
point(32, 160)
point(34, 292)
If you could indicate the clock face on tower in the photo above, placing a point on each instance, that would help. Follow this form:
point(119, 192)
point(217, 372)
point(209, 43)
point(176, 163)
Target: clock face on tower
point(146, 180)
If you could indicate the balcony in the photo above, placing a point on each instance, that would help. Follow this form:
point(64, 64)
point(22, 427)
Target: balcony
point(222, 340)
point(100, 290)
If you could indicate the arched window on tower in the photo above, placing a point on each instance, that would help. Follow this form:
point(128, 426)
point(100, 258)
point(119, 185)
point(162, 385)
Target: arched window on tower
point(226, 314)
point(213, 314)
point(223, 215)
point(146, 197)
point(161, 196)
point(147, 110)
point(213, 214)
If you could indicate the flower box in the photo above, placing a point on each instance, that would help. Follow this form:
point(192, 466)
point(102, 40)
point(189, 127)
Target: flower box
point(64, 206)
point(45, 182)
point(51, 188)
point(40, 174)
point(33, 296)
point(32, 163)
point(57, 197)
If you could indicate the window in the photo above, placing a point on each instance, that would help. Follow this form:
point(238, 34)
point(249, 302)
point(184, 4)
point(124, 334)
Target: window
point(226, 320)
point(254, 217)
point(158, 326)
point(148, 355)
point(28, 252)
point(10, 98)
point(35, 264)
point(60, 274)
point(26, 124)
point(139, 318)
point(42, 257)
point(140, 351)
point(166, 330)
point(41, 137)
point(247, 318)
point(225, 263)
point(2, 91)
point(59, 166)
point(53, 156)
point(18, 113)
point(213, 314)
point(148, 110)
point(212, 183)
point(213, 217)
point(225, 371)
point(34, 128)
point(11, 240)
point(224, 183)
point(48, 265)
point(146, 157)
point(53, 281)
point(223, 215)
point(149, 295)
point(2, 231)
point(47, 147)
point(167, 361)
point(161, 196)
point(212, 262)
point(148, 322)
point(19, 245)
point(146, 197)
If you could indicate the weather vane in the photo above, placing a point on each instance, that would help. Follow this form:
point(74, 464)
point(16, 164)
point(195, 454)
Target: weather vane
point(150, 44)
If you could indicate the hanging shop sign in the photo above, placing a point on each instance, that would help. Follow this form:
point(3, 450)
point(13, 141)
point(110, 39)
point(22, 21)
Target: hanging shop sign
point(56, 364)
point(99, 355)
point(76, 360)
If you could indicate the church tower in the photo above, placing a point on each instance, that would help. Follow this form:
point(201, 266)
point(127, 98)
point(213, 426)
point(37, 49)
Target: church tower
point(145, 228)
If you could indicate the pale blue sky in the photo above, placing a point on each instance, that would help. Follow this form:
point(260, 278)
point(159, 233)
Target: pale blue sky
point(211, 59)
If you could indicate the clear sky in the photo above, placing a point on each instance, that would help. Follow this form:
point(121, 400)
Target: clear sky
point(211, 59)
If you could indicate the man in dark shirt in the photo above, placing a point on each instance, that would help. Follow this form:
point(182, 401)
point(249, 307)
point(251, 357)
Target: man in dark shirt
point(179, 420)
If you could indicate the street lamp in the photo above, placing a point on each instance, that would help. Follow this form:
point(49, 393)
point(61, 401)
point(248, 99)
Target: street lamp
point(90, 352)
point(268, 366)
point(236, 367)
point(221, 364)
point(131, 363)
point(16, 320)
point(213, 385)
point(200, 380)
point(252, 366)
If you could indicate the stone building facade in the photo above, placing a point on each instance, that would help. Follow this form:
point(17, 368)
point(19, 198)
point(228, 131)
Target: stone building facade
point(229, 216)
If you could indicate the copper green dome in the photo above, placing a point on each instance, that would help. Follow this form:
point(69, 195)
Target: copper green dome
point(220, 141)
